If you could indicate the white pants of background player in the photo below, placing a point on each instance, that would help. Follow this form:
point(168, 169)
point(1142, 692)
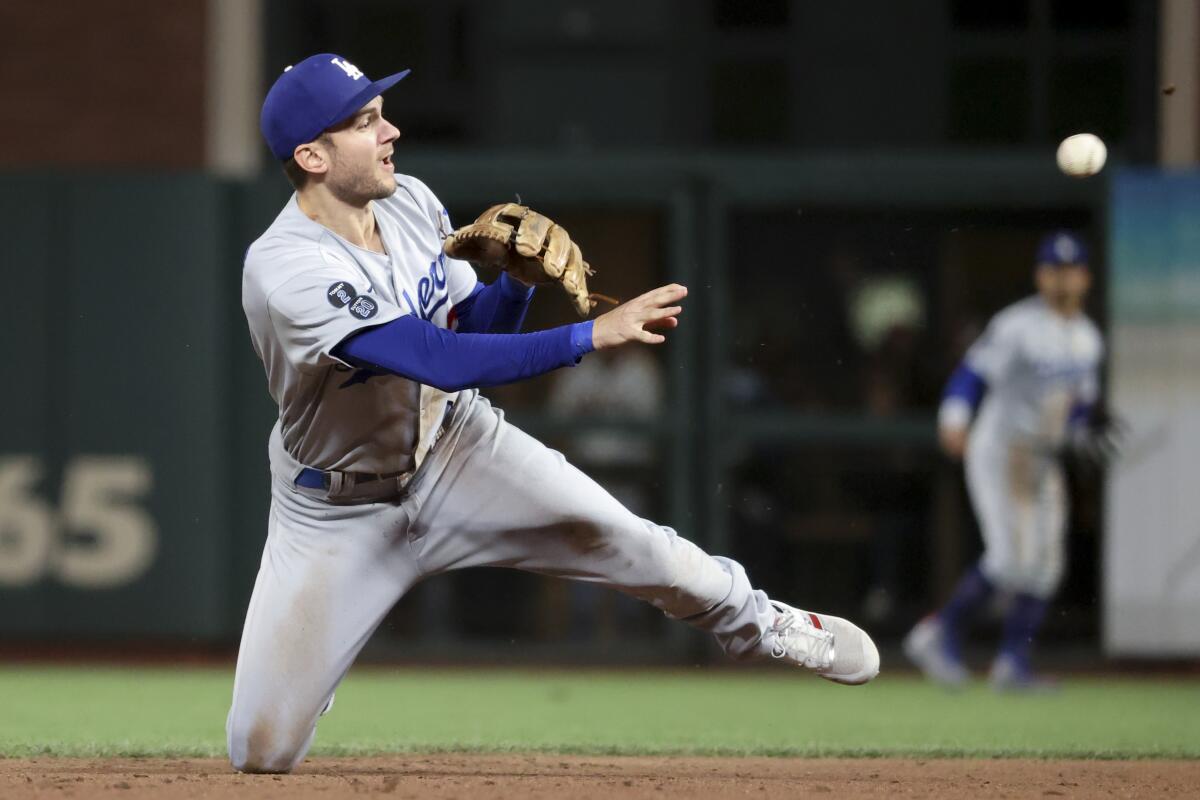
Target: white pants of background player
point(487, 495)
point(1021, 504)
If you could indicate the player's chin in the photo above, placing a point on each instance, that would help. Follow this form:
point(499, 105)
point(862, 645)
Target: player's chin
point(386, 186)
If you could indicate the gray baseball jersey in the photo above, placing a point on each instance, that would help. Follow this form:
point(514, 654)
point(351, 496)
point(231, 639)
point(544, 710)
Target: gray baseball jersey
point(305, 289)
point(1037, 364)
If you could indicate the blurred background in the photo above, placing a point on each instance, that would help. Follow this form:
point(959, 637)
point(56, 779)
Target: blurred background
point(850, 190)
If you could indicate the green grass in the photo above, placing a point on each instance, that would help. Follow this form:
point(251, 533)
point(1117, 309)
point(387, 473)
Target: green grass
point(181, 712)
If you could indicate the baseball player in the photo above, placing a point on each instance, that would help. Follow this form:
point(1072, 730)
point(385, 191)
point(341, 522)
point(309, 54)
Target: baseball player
point(1033, 378)
point(389, 467)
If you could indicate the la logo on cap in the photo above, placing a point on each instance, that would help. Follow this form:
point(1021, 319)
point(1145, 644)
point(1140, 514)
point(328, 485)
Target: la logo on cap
point(348, 68)
point(1064, 248)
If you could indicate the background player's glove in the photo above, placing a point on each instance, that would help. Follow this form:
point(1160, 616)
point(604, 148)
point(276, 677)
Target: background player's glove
point(529, 246)
point(1097, 443)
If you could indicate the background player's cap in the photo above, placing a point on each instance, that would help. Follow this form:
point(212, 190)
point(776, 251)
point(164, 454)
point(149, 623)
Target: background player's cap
point(319, 92)
point(1061, 248)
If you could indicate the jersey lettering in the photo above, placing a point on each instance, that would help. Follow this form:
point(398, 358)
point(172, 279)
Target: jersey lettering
point(431, 291)
point(1052, 371)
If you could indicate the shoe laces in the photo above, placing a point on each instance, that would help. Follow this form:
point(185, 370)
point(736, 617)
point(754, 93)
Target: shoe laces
point(796, 637)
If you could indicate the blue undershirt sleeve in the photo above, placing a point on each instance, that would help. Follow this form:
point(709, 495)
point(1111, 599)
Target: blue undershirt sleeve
point(964, 392)
point(419, 350)
point(498, 307)
point(966, 384)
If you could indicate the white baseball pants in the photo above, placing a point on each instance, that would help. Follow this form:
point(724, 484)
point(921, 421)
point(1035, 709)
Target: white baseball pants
point(487, 495)
point(1021, 504)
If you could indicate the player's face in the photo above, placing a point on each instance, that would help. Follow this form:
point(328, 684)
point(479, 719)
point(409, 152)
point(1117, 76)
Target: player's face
point(360, 157)
point(1064, 286)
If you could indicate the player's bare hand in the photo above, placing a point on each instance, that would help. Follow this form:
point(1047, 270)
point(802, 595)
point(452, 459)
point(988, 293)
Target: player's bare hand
point(953, 441)
point(636, 320)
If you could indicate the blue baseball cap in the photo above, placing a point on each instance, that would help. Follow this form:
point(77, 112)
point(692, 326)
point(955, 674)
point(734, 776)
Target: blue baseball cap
point(1061, 248)
point(317, 93)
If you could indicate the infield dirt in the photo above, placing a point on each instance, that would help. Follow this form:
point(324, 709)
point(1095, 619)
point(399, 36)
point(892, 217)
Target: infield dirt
point(547, 776)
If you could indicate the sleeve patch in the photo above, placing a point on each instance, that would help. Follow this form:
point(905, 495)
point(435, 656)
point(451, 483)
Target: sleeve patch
point(363, 307)
point(341, 293)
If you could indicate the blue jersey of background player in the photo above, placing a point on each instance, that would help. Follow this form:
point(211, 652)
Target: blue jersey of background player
point(1018, 397)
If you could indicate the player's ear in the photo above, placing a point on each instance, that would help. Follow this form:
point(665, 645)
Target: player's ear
point(312, 157)
point(1041, 275)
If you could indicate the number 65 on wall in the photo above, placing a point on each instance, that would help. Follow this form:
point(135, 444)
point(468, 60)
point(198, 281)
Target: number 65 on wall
point(99, 537)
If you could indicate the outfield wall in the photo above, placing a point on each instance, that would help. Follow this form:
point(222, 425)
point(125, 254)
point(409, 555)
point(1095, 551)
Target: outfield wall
point(1152, 552)
point(114, 518)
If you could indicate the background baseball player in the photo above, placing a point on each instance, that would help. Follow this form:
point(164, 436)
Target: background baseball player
point(1033, 376)
point(389, 467)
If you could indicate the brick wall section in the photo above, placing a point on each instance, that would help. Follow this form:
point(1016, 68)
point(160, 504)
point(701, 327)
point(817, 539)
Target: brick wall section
point(102, 83)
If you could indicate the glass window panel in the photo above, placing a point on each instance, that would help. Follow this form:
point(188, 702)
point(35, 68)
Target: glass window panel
point(979, 15)
point(989, 100)
point(1088, 94)
point(1088, 15)
point(740, 14)
point(750, 102)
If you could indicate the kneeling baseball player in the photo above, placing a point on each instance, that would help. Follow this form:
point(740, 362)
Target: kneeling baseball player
point(388, 466)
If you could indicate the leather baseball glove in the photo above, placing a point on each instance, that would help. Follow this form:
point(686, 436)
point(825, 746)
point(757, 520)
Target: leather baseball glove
point(1093, 446)
point(529, 246)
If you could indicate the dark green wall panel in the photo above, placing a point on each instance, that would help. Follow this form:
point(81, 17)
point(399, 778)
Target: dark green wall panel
point(121, 403)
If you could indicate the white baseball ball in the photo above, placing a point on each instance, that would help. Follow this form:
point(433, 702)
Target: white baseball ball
point(1082, 155)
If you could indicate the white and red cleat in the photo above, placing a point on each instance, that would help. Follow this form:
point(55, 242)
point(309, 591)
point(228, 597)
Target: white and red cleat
point(835, 648)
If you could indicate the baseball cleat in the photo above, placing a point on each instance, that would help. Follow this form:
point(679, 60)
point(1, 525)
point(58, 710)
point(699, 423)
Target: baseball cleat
point(1008, 674)
point(836, 649)
point(925, 646)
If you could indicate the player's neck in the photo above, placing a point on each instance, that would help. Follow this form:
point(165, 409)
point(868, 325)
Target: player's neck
point(355, 224)
point(1067, 309)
